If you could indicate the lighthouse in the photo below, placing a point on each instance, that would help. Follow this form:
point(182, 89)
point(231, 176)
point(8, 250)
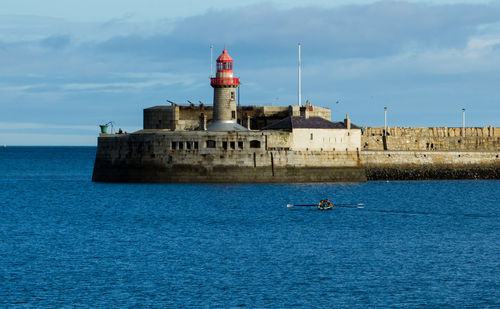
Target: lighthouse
point(225, 84)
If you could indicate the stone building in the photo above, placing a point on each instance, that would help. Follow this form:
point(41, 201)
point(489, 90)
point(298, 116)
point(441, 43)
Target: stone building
point(316, 133)
point(177, 117)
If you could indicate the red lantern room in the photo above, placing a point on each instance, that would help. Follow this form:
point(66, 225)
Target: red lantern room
point(224, 62)
point(224, 76)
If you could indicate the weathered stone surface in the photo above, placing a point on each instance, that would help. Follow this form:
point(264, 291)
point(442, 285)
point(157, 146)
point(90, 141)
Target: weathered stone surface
point(431, 139)
point(256, 156)
point(418, 165)
point(149, 172)
point(433, 171)
point(182, 117)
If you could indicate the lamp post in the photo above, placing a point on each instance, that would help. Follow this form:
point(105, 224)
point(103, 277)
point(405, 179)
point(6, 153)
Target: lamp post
point(385, 121)
point(463, 122)
point(300, 80)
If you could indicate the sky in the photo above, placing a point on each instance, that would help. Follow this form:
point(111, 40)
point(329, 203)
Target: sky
point(67, 66)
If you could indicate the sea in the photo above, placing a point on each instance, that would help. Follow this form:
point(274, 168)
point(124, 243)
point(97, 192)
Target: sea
point(66, 241)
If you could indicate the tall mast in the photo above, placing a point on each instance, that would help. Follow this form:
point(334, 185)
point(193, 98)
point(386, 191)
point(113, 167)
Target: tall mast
point(300, 80)
point(211, 59)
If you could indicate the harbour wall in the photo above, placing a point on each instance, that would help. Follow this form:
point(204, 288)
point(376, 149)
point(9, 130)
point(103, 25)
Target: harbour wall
point(264, 157)
point(431, 139)
point(421, 165)
point(150, 158)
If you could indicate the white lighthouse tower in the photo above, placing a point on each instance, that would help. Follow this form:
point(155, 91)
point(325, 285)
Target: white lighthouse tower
point(225, 84)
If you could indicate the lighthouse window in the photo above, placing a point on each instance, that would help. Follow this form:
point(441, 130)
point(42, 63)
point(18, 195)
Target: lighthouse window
point(219, 66)
point(232, 95)
point(311, 136)
point(233, 114)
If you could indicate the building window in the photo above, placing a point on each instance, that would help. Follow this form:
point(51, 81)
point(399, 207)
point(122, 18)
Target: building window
point(181, 145)
point(224, 145)
point(189, 145)
point(174, 145)
point(210, 143)
point(232, 145)
point(195, 145)
point(255, 144)
point(311, 136)
point(240, 145)
point(233, 114)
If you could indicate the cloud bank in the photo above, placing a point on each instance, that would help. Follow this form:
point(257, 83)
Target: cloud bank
point(425, 62)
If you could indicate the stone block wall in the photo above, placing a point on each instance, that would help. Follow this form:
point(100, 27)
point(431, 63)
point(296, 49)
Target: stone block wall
point(431, 139)
point(186, 117)
point(152, 157)
point(421, 158)
point(422, 165)
point(157, 147)
point(176, 117)
point(205, 156)
point(163, 117)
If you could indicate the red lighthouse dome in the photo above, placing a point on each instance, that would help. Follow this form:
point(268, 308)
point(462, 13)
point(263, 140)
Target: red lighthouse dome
point(224, 76)
point(224, 57)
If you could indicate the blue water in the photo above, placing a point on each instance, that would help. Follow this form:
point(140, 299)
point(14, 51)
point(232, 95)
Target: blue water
point(65, 241)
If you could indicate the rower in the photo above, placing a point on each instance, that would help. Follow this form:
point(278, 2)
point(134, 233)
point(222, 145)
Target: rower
point(325, 204)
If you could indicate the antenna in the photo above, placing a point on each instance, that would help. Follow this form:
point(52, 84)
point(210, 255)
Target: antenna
point(300, 80)
point(211, 59)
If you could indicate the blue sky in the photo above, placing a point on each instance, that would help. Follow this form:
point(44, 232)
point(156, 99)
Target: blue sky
point(68, 66)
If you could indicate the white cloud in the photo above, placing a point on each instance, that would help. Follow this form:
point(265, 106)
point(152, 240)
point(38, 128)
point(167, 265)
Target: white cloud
point(132, 81)
point(482, 45)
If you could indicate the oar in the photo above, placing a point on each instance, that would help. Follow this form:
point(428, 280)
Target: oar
point(348, 206)
point(290, 205)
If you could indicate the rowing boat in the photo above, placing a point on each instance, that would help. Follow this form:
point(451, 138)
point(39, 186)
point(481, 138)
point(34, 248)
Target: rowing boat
point(327, 205)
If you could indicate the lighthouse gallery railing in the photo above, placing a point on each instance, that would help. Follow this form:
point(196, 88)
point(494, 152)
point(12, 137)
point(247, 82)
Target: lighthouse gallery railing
point(225, 81)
